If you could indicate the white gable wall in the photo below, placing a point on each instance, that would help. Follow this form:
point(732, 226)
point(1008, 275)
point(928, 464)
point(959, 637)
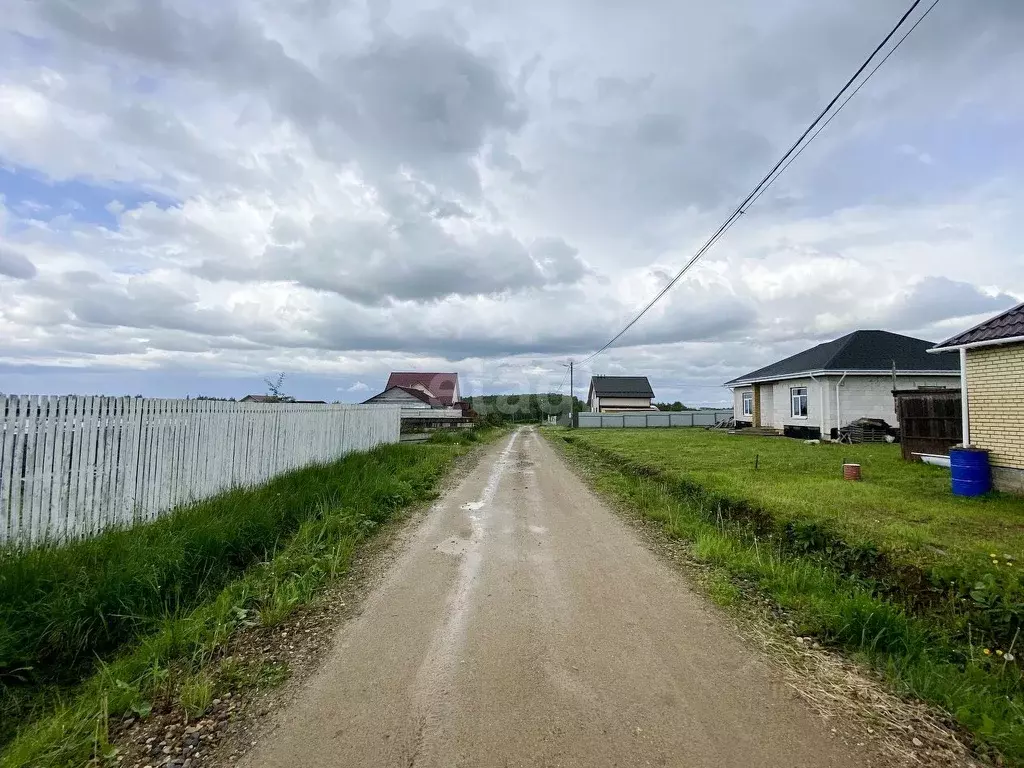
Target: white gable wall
point(396, 396)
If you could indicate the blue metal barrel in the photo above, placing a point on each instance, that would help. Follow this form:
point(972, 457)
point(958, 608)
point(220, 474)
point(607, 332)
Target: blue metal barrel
point(971, 473)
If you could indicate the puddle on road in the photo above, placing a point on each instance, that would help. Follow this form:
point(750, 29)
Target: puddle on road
point(456, 547)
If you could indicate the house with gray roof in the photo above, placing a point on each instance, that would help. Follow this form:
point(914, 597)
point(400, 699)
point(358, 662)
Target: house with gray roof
point(991, 357)
point(618, 394)
point(816, 392)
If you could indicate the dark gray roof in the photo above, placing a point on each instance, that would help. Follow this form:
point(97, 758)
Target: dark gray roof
point(621, 386)
point(859, 351)
point(1008, 325)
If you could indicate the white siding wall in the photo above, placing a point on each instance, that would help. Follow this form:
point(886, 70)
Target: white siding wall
point(623, 402)
point(395, 396)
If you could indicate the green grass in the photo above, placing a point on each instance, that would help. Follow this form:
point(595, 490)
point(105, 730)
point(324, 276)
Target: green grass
point(901, 506)
point(464, 436)
point(107, 626)
point(196, 694)
point(834, 554)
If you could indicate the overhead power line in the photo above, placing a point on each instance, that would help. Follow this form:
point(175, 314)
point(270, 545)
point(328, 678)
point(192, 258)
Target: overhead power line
point(791, 154)
point(564, 377)
point(845, 101)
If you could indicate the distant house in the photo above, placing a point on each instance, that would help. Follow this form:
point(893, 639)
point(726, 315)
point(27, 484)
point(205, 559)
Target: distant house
point(414, 389)
point(272, 399)
point(615, 394)
point(816, 392)
point(992, 392)
point(407, 397)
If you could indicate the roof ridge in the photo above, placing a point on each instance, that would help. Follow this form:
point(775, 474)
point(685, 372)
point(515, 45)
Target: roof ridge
point(842, 347)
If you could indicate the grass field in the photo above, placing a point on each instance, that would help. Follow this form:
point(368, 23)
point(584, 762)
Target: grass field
point(902, 507)
point(893, 569)
point(103, 627)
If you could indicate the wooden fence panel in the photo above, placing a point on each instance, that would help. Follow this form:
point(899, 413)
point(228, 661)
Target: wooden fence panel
point(73, 466)
point(929, 421)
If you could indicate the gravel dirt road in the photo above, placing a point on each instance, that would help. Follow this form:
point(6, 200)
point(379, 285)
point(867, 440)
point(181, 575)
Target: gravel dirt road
point(526, 625)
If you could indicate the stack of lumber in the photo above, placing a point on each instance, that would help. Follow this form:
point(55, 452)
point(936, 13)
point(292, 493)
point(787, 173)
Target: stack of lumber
point(866, 431)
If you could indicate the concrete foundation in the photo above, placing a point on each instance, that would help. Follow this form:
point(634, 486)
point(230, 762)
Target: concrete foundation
point(1008, 479)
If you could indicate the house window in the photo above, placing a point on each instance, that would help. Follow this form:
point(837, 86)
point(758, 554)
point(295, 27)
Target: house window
point(798, 395)
point(748, 403)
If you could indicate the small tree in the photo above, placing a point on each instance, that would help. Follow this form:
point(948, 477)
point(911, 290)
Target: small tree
point(275, 389)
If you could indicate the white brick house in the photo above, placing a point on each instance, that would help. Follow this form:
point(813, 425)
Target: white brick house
point(819, 390)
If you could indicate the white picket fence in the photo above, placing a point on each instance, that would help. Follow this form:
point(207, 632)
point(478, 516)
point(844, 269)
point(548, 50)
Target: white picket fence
point(72, 466)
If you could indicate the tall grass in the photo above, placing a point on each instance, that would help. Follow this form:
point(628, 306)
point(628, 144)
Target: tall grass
point(918, 656)
point(176, 587)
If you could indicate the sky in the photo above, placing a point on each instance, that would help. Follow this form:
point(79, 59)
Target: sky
point(195, 196)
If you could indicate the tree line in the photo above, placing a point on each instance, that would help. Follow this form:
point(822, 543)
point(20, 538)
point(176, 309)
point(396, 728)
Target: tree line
point(502, 409)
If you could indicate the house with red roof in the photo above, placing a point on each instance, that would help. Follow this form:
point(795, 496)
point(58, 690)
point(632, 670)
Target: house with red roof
point(416, 389)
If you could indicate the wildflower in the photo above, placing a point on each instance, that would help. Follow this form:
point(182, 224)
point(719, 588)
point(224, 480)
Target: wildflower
point(1008, 656)
point(987, 652)
point(992, 555)
point(995, 562)
point(999, 653)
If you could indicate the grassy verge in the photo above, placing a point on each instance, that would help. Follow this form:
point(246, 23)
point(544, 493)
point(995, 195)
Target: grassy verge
point(105, 627)
point(919, 653)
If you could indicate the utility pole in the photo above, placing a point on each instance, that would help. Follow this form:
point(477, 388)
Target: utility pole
point(572, 397)
point(572, 400)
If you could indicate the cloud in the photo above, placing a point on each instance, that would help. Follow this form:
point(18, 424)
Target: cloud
point(933, 299)
point(357, 387)
point(910, 151)
point(336, 190)
point(422, 100)
point(15, 265)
